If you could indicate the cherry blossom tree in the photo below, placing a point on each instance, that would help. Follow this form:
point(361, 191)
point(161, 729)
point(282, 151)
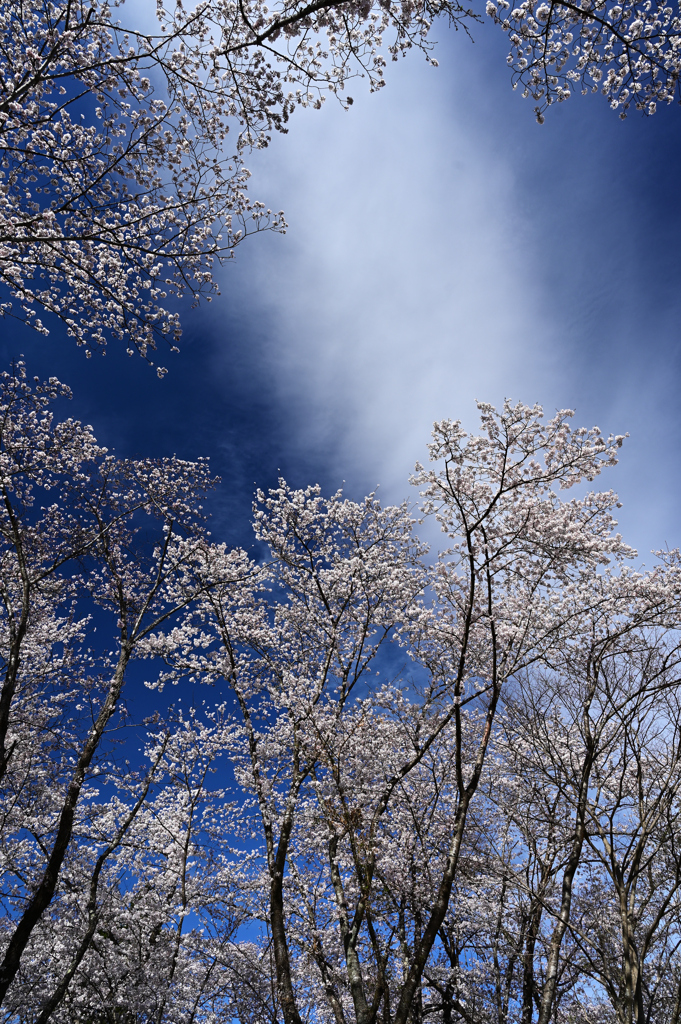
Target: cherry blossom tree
point(120, 185)
point(585, 834)
point(629, 935)
point(83, 580)
point(121, 149)
point(361, 791)
point(407, 789)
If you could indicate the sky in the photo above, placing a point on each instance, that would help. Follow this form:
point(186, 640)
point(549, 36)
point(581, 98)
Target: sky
point(442, 248)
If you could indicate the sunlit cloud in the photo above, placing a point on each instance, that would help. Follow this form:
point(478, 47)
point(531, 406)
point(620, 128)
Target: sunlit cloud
point(438, 253)
point(400, 293)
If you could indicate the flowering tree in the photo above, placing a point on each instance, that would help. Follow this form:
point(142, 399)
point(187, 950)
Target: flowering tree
point(414, 790)
point(361, 791)
point(629, 931)
point(588, 793)
point(78, 554)
point(120, 188)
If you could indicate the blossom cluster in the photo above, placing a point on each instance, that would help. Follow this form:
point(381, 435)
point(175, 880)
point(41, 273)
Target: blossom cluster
point(630, 52)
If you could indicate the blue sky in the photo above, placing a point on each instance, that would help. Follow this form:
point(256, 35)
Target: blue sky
point(442, 247)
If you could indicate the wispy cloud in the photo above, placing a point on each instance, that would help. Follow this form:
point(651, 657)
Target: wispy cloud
point(443, 248)
point(402, 291)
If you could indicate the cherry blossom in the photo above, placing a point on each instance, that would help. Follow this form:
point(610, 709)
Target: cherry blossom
point(628, 52)
point(122, 183)
point(405, 787)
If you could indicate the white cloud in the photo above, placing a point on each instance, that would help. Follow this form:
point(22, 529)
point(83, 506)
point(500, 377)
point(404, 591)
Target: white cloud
point(401, 292)
point(436, 255)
